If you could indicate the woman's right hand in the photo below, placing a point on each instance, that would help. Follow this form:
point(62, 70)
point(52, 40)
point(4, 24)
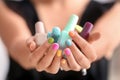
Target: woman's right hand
point(44, 57)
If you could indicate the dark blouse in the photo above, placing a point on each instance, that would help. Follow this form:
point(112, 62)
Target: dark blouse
point(98, 70)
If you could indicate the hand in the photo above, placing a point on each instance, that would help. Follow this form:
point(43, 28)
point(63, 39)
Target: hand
point(108, 29)
point(44, 57)
point(78, 57)
point(102, 41)
point(43, 53)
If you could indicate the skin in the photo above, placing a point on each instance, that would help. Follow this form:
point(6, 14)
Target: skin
point(97, 47)
point(36, 56)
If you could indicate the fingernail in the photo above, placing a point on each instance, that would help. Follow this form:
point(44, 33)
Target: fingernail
point(32, 46)
point(68, 42)
point(71, 33)
point(49, 34)
point(55, 46)
point(50, 40)
point(59, 53)
point(63, 61)
point(67, 51)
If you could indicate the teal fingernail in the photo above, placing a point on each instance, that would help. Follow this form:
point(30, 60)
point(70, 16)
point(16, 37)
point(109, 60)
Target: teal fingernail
point(68, 42)
point(49, 34)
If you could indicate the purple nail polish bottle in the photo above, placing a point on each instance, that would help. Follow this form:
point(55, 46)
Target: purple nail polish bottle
point(86, 30)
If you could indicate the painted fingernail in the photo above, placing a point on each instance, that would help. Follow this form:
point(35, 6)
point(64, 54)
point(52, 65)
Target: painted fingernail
point(59, 53)
point(67, 51)
point(55, 46)
point(63, 61)
point(51, 40)
point(72, 33)
point(49, 34)
point(68, 42)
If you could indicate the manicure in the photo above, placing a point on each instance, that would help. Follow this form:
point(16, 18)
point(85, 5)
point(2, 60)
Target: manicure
point(49, 34)
point(51, 40)
point(59, 53)
point(72, 33)
point(63, 61)
point(55, 46)
point(68, 42)
point(67, 51)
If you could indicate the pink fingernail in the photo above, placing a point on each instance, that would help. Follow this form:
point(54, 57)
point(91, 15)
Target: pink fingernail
point(55, 46)
point(67, 51)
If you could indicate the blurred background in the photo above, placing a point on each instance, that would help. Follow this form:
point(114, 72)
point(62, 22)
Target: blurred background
point(114, 70)
point(4, 61)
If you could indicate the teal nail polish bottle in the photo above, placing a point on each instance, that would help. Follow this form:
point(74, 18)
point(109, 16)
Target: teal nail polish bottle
point(56, 32)
point(65, 33)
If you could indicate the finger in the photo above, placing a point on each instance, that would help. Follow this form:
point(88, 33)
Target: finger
point(39, 53)
point(39, 27)
point(85, 47)
point(64, 65)
point(31, 44)
point(71, 60)
point(48, 58)
point(54, 67)
point(79, 57)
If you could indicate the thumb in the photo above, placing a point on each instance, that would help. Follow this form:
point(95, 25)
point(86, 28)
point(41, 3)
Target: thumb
point(31, 44)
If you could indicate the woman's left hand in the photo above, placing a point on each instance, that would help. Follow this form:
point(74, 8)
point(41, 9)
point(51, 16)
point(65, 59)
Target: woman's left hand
point(102, 41)
point(80, 56)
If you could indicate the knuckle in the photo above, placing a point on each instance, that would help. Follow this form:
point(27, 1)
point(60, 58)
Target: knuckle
point(85, 46)
point(38, 68)
point(32, 60)
point(43, 64)
point(75, 68)
point(52, 71)
point(88, 66)
point(80, 59)
point(66, 69)
point(93, 57)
